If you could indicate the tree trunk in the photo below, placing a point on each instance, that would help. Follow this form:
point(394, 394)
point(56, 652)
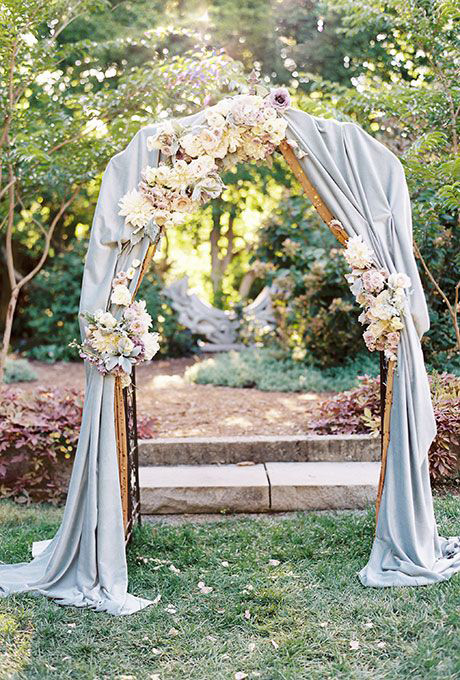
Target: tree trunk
point(8, 327)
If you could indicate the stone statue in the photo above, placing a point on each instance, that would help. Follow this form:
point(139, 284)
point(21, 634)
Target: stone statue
point(219, 327)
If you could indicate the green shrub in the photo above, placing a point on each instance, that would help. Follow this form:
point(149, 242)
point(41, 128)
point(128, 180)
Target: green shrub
point(313, 305)
point(269, 370)
point(19, 370)
point(48, 320)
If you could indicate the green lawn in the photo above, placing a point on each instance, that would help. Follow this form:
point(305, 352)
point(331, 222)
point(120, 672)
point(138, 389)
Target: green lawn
point(304, 618)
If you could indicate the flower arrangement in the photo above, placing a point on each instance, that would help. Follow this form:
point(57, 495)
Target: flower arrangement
point(381, 295)
point(241, 128)
point(115, 345)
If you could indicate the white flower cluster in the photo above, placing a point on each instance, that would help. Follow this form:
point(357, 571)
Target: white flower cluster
point(381, 295)
point(115, 345)
point(240, 128)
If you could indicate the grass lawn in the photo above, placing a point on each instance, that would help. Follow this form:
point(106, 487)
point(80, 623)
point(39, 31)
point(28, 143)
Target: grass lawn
point(306, 617)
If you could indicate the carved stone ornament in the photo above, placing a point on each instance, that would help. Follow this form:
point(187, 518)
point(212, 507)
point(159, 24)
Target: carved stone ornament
point(219, 327)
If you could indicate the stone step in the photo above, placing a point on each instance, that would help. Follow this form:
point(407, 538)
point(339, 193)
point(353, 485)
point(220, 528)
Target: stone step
point(270, 487)
point(322, 486)
point(258, 449)
point(179, 489)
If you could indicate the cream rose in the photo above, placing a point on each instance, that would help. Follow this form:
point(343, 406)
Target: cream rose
point(107, 320)
point(214, 143)
point(192, 145)
point(120, 296)
point(151, 345)
point(399, 280)
point(215, 119)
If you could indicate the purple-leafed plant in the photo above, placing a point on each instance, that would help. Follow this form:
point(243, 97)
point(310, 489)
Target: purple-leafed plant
point(357, 411)
point(38, 439)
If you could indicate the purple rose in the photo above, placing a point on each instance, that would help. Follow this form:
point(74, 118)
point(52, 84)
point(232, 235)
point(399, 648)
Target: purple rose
point(279, 98)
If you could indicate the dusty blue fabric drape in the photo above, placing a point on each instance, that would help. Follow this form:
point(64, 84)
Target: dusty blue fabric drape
point(363, 184)
point(85, 564)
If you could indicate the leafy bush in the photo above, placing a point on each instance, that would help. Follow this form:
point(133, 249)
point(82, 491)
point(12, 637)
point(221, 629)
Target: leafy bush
point(445, 451)
point(48, 319)
point(313, 305)
point(357, 411)
point(19, 370)
point(38, 439)
point(271, 370)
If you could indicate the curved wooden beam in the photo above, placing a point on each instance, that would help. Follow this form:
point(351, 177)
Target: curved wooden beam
point(322, 209)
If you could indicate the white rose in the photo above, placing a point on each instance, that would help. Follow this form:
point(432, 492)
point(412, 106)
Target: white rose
point(214, 118)
point(357, 253)
point(191, 145)
point(381, 311)
point(399, 280)
point(213, 143)
point(245, 109)
point(162, 174)
point(149, 174)
point(233, 137)
point(136, 263)
point(202, 166)
point(223, 106)
point(151, 345)
point(276, 128)
point(120, 296)
point(107, 319)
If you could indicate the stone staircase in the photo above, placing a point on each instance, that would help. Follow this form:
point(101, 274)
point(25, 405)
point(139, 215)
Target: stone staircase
point(258, 473)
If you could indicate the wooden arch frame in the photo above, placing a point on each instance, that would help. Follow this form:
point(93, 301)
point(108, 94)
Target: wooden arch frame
point(125, 399)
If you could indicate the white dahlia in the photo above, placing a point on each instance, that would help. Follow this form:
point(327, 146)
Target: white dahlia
point(136, 210)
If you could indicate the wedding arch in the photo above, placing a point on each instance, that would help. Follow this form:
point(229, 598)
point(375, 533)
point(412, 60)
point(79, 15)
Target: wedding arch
point(167, 171)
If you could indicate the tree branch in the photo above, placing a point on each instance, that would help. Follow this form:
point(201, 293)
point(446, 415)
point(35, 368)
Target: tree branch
point(452, 310)
point(48, 238)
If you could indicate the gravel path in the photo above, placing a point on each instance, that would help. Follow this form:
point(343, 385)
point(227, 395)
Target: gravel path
point(184, 410)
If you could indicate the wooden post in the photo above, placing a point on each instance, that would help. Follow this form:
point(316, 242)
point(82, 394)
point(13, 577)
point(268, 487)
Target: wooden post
point(385, 427)
point(341, 235)
point(121, 431)
point(122, 447)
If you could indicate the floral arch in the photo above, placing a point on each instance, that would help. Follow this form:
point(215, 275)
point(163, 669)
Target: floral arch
point(166, 172)
point(246, 127)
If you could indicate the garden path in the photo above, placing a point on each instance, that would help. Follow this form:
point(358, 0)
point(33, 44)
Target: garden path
point(183, 410)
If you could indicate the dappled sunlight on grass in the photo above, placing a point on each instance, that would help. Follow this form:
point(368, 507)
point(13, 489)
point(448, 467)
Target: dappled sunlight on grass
point(16, 634)
point(275, 599)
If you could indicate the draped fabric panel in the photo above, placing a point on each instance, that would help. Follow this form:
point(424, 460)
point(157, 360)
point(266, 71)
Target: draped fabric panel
point(363, 184)
point(85, 564)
